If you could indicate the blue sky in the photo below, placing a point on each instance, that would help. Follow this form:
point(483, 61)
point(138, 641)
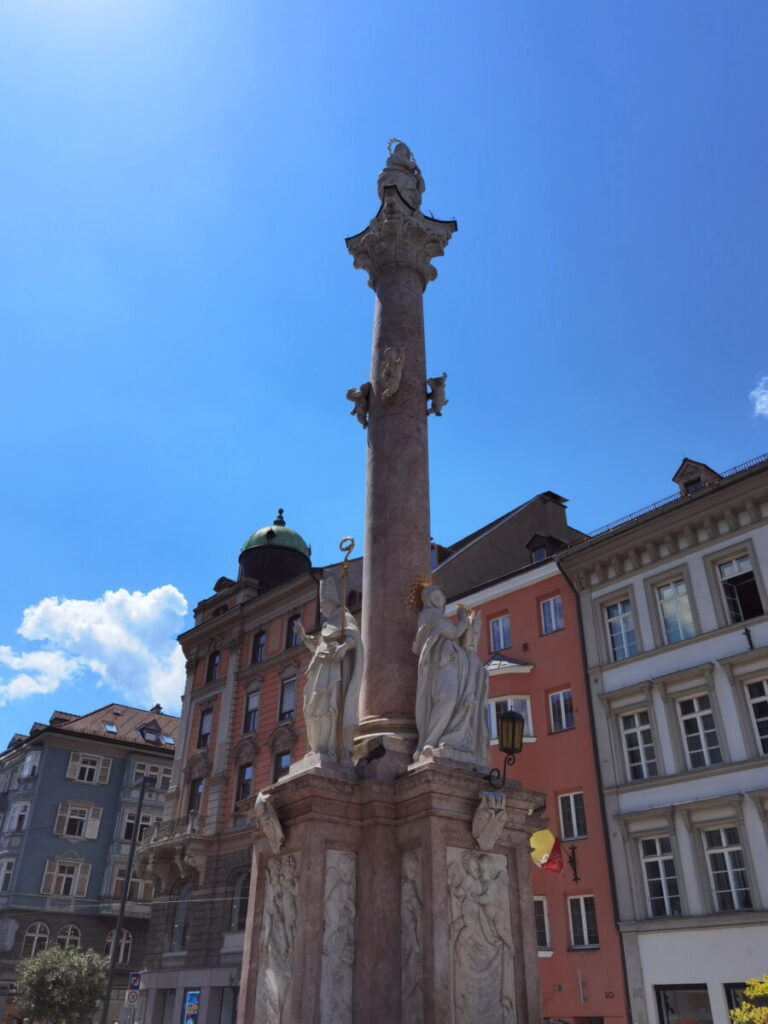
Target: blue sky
point(180, 319)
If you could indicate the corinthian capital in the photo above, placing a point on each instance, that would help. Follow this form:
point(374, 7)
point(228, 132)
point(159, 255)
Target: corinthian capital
point(400, 236)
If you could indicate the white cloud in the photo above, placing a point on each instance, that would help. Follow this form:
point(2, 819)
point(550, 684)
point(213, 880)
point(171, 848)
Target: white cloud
point(126, 640)
point(760, 397)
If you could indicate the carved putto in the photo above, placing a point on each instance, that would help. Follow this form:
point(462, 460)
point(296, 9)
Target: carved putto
point(360, 398)
point(391, 371)
point(334, 675)
point(403, 172)
point(489, 819)
point(411, 906)
point(436, 394)
point(265, 814)
point(452, 684)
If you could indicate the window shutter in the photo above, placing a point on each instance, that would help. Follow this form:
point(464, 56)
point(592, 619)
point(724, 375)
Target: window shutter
point(61, 819)
point(74, 765)
point(82, 880)
point(102, 776)
point(50, 871)
point(92, 825)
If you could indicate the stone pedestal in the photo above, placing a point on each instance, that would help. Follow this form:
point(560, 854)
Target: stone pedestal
point(381, 906)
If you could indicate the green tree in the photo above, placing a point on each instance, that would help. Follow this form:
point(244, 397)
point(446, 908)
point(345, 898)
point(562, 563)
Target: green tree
point(61, 985)
point(754, 1007)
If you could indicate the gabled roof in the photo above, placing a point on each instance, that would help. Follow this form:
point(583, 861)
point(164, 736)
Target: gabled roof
point(127, 722)
point(690, 467)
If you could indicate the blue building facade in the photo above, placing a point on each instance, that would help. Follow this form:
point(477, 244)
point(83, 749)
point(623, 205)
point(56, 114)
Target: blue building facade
point(68, 813)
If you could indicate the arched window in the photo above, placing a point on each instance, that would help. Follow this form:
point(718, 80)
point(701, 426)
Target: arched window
point(239, 907)
point(68, 937)
point(35, 939)
point(123, 947)
point(181, 919)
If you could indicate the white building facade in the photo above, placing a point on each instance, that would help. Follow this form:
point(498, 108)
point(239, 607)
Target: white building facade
point(673, 603)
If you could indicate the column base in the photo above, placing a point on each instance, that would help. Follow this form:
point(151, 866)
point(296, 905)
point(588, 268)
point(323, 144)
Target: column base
point(405, 900)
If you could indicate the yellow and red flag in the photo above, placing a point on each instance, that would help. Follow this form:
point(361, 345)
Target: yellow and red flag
point(546, 851)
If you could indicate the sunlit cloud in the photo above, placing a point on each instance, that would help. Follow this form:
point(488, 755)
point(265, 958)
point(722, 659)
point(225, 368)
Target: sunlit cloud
point(122, 640)
point(760, 397)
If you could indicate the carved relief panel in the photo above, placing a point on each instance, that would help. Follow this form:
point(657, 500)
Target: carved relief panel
point(411, 905)
point(482, 954)
point(338, 959)
point(277, 941)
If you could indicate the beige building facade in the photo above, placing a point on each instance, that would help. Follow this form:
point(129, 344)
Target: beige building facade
point(673, 603)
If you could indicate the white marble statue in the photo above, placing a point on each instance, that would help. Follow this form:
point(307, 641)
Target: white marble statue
point(403, 172)
point(411, 906)
point(391, 371)
point(360, 398)
point(477, 689)
point(266, 815)
point(334, 675)
point(436, 394)
point(338, 958)
point(483, 981)
point(449, 687)
point(277, 942)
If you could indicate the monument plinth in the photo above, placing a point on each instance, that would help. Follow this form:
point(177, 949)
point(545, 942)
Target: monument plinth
point(386, 889)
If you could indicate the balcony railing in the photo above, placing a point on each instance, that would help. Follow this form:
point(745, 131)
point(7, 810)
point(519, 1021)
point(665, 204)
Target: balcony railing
point(191, 824)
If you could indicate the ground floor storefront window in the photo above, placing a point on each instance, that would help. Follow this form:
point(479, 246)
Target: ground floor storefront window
point(683, 1004)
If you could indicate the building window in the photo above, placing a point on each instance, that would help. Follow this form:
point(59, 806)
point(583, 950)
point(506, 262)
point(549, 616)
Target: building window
point(740, 591)
point(204, 732)
point(29, 767)
point(542, 922)
point(561, 710)
point(281, 762)
point(244, 782)
point(499, 633)
point(287, 699)
point(291, 637)
point(572, 817)
point(675, 611)
point(581, 911)
point(181, 919)
point(735, 993)
point(727, 869)
point(84, 768)
point(660, 878)
point(129, 828)
point(111, 728)
point(638, 745)
point(552, 614)
point(522, 705)
point(212, 668)
point(252, 703)
point(77, 821)
point(259, 647)
point(239, 908)
point(159, 778)
point(689, 1003)
point(68, 937)
point(539, 554)
point(6, 873)
point(698, 725)
point(757, 695)
point(138, 890)
point(195, 796)
point(621, 630)
point(65, 877)
point(17, 819)
point(35, 939)
point(123, 946)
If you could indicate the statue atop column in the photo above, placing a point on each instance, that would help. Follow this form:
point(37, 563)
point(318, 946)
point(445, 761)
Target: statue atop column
point(334, 675)
point(403, 172)
point(452, 683)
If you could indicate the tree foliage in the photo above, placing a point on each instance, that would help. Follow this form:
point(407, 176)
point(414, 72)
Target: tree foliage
point(754, 1008)
point(61, 984)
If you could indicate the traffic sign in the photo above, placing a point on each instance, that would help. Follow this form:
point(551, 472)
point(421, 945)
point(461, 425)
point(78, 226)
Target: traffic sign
point(133, 996)
point(134, 981)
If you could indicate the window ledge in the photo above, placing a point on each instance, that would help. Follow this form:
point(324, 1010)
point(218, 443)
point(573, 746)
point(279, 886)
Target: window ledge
point(583, 949)
point(543, 953)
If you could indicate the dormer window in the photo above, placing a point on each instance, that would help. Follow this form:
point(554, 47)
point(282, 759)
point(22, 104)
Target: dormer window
point(111, 728)
point(539, 554)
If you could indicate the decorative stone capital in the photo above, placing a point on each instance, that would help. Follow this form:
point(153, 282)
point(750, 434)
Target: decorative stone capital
point(400, 236)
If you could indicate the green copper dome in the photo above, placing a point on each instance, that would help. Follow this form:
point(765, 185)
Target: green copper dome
point(277, 536)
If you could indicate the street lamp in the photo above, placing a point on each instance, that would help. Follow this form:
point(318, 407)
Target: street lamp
point(510, 728)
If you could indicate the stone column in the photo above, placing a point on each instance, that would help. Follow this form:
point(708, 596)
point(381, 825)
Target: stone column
point(395, 249)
